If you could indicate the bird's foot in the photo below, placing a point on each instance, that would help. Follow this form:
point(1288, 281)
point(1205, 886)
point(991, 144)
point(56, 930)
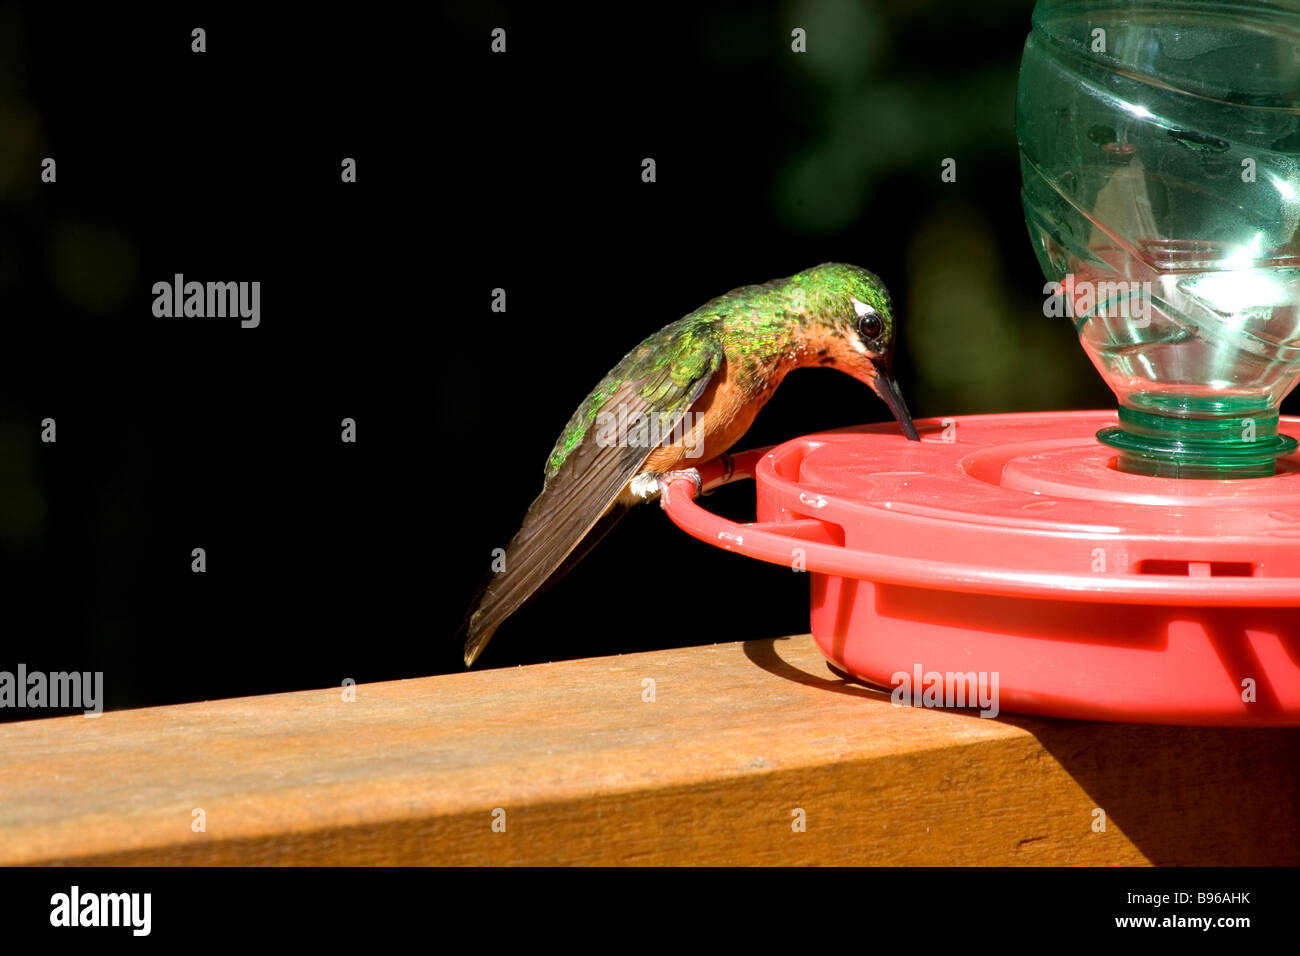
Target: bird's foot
point(691, 473)
point(645, 486)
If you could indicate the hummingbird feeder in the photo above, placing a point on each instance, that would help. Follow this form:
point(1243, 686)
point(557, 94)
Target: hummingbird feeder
point(1134, 566)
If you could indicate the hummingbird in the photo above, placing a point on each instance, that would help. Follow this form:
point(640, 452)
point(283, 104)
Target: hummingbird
point(689, 391)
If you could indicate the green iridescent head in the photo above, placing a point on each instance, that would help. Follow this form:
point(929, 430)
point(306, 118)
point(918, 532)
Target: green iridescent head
point(853, 307)
point(850, 300)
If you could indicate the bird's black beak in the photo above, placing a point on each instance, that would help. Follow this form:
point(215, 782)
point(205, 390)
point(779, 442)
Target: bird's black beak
point(887, 389)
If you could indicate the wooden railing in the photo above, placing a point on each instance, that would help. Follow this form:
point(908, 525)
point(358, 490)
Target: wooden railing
point(750, 752)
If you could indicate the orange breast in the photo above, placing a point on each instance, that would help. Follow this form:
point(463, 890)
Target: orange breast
point(718, 419)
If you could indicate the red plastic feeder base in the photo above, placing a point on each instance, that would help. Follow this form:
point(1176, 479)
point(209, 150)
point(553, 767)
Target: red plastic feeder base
point(1008, 549)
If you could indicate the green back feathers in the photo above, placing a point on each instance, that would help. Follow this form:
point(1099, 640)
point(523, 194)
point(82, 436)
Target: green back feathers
point(751, 326)
point(663, 369)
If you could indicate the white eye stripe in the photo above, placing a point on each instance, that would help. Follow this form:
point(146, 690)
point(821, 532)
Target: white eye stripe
point(861, 308)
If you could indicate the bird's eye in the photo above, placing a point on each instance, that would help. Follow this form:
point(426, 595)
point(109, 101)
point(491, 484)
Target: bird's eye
point(869, 322)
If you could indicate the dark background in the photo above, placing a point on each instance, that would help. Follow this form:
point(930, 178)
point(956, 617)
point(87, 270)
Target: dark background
point(475, 171)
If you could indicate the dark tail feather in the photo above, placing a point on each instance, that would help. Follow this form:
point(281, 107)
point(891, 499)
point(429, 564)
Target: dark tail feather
point(485, 617)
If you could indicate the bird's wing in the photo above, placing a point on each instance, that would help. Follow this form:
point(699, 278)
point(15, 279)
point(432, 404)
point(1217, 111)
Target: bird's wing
point(666, 381)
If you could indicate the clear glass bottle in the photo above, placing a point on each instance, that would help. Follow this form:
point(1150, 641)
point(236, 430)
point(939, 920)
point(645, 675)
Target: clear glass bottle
point(1160, 155)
